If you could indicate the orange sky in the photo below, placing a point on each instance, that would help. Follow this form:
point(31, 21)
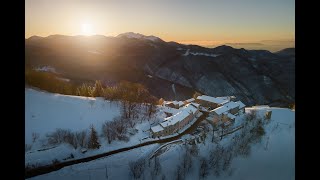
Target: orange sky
point(198, 22)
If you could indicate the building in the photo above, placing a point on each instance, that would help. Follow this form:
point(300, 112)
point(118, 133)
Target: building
point(212, 102)
point(174, 104)
point(188, 101)
point(241, 107)
point(226, 112)
point(157, 130)
point(176, 122)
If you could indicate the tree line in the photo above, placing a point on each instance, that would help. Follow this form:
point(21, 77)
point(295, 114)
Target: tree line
point(124, 91)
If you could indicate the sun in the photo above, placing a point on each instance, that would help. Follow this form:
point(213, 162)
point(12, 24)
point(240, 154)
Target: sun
point(86, 29)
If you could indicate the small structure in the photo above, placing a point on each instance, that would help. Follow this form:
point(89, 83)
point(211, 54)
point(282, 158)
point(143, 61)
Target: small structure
point(268, 114)
point(157, 130)
point(83, 150)
point(241, 106)
point(174, 104)
point(226, 124)
point(189, 101)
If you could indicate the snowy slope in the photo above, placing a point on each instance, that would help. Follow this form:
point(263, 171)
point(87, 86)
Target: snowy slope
point(117, 167)
point(44, 112)
point(272, 158)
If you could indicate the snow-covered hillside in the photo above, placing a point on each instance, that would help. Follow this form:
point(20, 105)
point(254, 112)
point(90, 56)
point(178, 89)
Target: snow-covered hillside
point(44, 112)
point(271, 158)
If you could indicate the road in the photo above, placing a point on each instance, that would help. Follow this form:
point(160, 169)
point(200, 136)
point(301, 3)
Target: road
point(54, 167)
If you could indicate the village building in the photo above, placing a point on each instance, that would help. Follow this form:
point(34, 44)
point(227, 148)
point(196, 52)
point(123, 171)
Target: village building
point(176, 122)
point(212, 102)
point(174, 104)
point(221, 110)
point(188, 101)
point(225, 114)
point(241, 107)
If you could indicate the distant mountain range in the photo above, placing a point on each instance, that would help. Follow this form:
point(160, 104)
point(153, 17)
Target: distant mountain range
point(254, 76)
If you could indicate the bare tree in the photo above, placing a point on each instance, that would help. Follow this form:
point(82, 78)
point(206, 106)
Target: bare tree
point(81, 138)
point(194, 150)
point(27, 147)
point(157, 166)
point(35, 136)
point(187, 162)
point(215, 159)
point(180, 173)
point(109, 131)
point(58, 136)
point(137, 168)
point(204, 168)
point(226, 159)
point(163, 177)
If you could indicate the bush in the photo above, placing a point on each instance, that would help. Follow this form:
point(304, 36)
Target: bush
point(66, 136)
point(55, 161)
point(27, 147)
point(137, 168)
point(204, 168)
point(35, 136)
point(81, 138)
point(260, 131)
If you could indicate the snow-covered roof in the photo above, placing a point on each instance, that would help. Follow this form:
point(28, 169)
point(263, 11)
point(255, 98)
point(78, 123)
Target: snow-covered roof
point(185, 111)
point(174, 119)
point(231, 105)
point(190, 100)
point(190, 108)
point(179, 103)
point(170, 110)
point(226, 107)
point(195, 104)
point(231, 116)
point(241, 105)
point(227, 123)
point(217, 100)
point(156, 128)
point(167, 102)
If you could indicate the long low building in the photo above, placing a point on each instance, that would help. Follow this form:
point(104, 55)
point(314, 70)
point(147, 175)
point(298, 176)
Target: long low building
point(212, 102)
point(176, 122)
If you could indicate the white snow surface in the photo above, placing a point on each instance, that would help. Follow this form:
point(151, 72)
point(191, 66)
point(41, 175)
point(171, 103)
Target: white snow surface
point(203, 54)
point(45, 112)
point(138, 36)
point(187, 53)
point(117, 167)
point(276, 162)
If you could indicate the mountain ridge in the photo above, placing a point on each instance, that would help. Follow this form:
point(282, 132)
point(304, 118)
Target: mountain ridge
point(255, 76)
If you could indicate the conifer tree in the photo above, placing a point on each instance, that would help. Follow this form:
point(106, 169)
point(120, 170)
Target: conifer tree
point(98, 90)
point(93, 141)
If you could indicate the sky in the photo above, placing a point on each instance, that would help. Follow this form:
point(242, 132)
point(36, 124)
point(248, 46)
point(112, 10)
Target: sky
point(203, 22)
